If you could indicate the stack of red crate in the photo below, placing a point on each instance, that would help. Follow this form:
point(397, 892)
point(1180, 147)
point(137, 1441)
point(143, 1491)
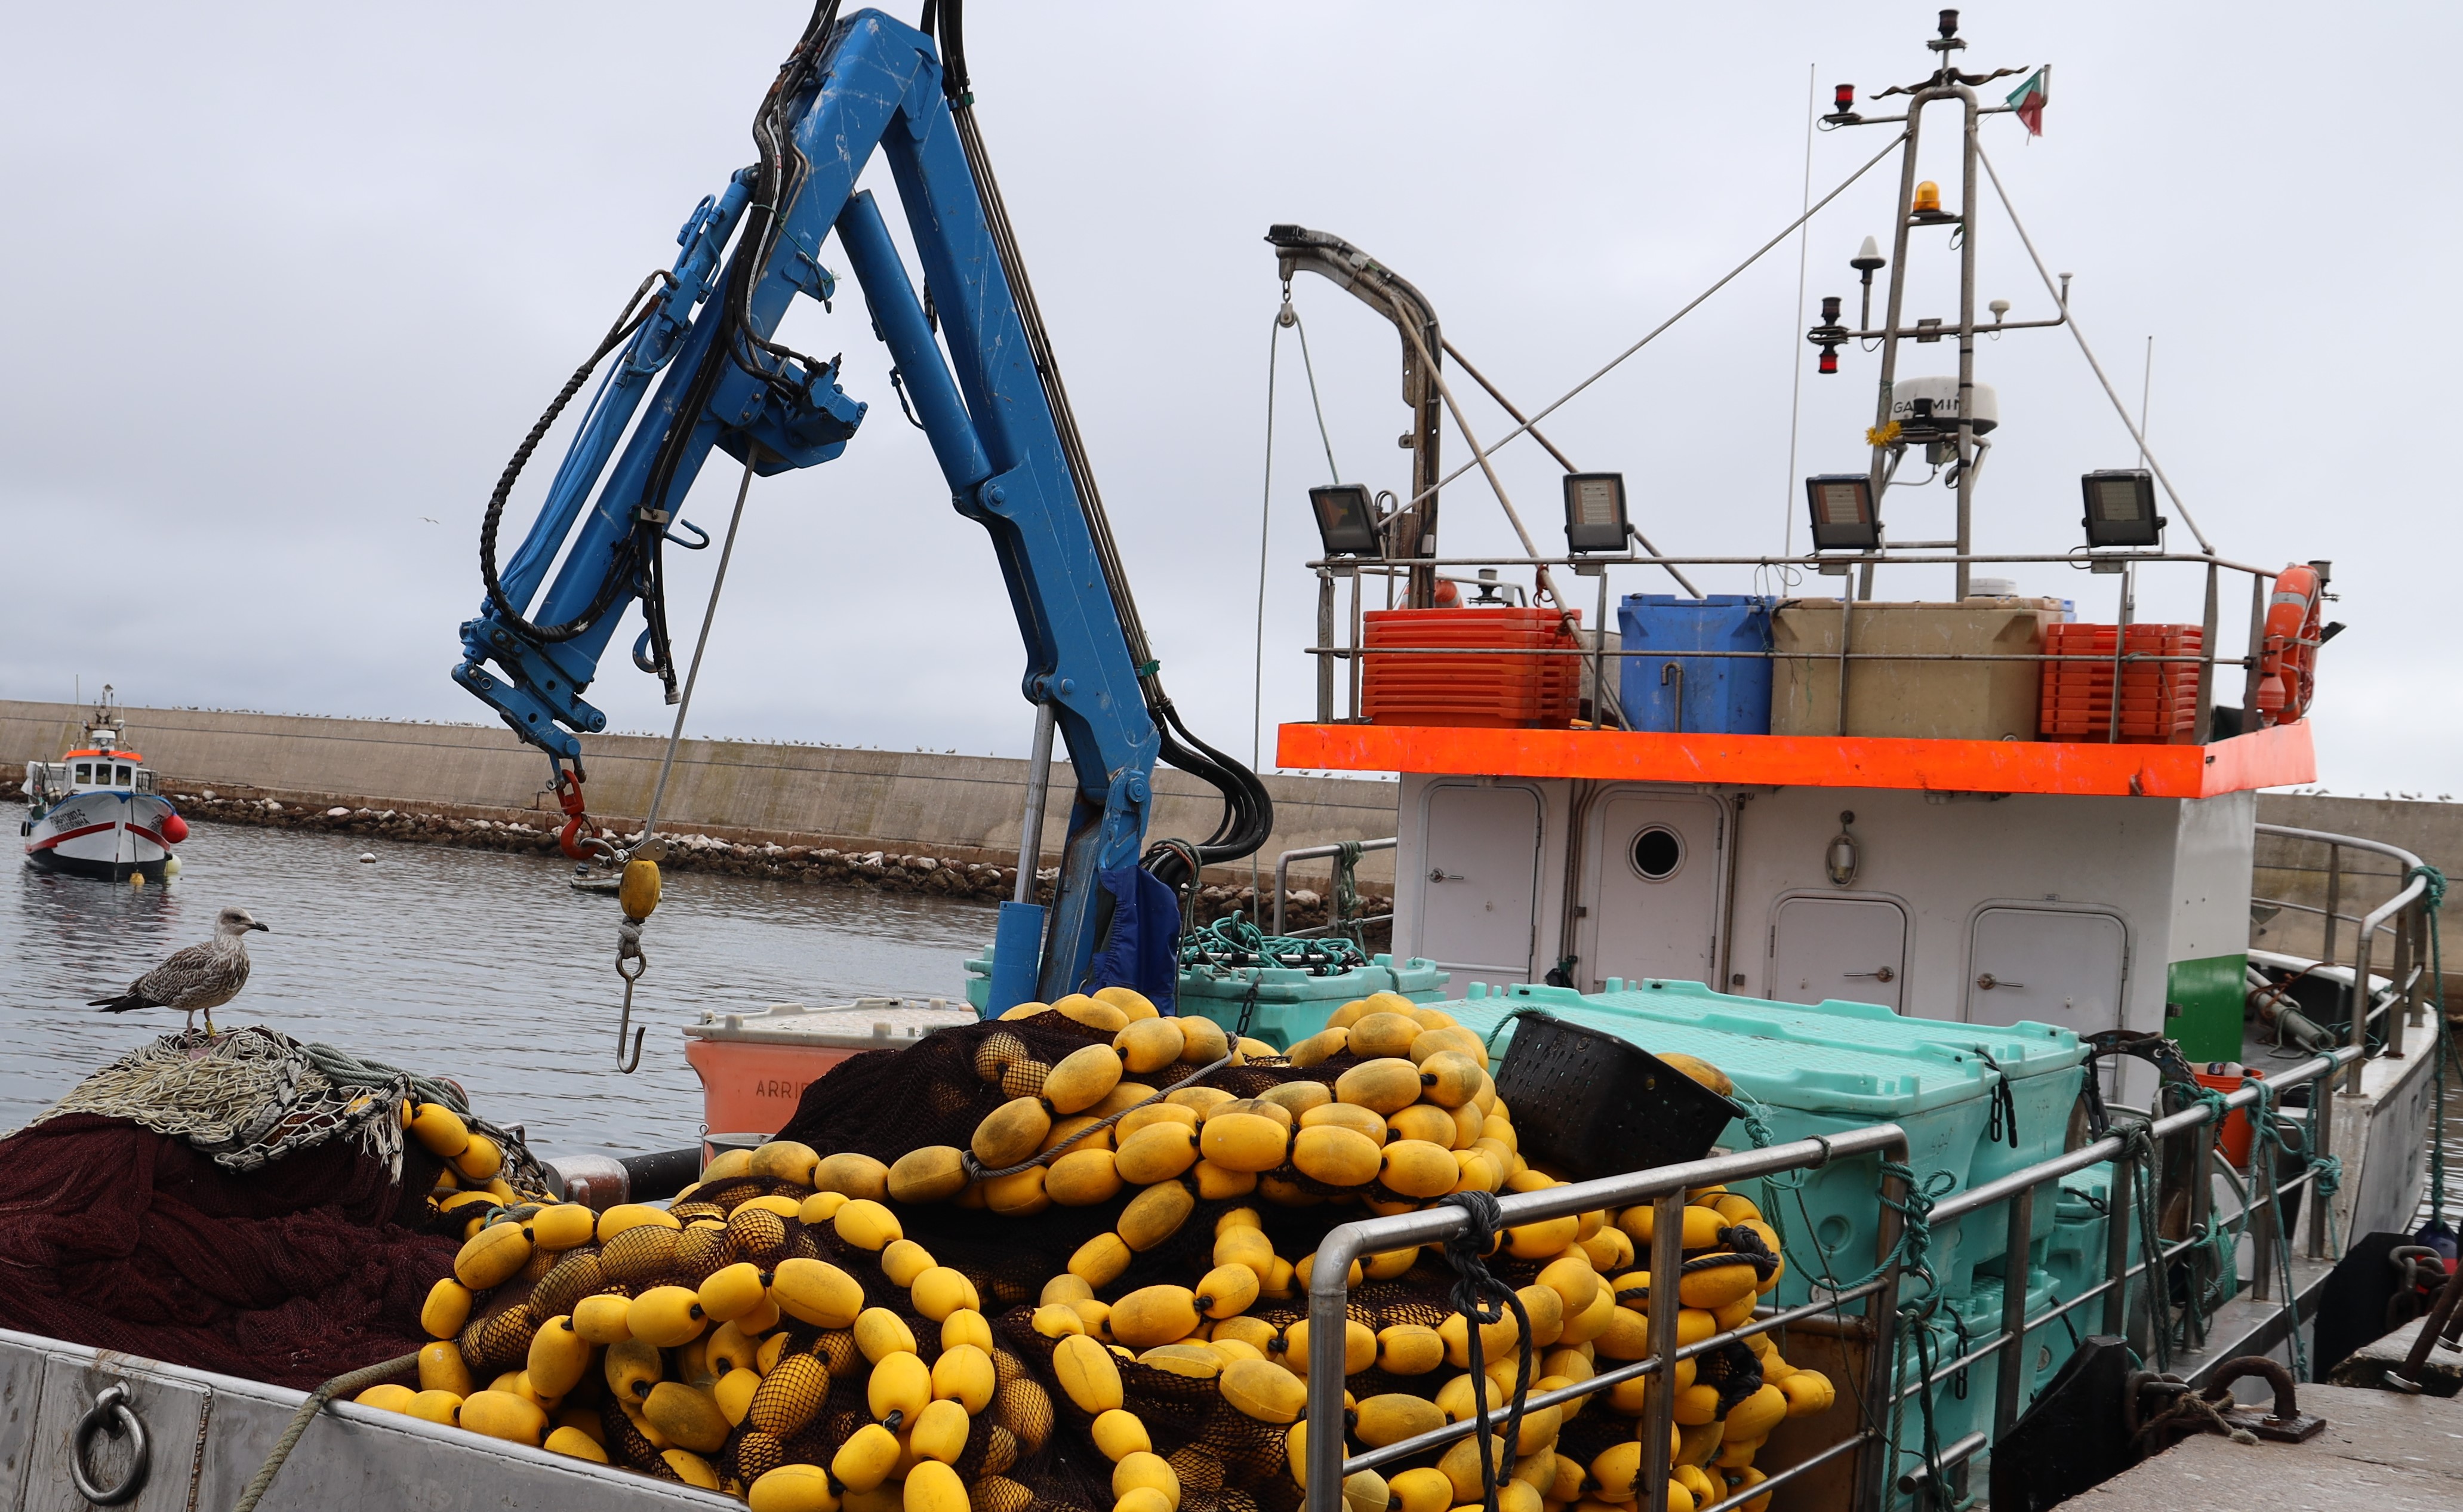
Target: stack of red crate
point(2159, 699)
point(1480, 687)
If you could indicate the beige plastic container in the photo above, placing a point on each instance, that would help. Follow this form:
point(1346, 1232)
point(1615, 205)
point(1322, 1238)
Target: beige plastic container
point(1921, 700)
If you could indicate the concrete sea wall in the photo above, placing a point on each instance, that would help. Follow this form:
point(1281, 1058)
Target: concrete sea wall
point(965, 808)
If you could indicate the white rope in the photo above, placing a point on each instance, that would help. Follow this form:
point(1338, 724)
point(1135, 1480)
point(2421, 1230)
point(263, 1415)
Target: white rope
point(2080, 336)
point(1480, 458)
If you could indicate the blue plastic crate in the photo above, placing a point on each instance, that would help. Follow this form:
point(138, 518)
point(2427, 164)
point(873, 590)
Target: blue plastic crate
point(1827, 1068)
point(1713, 694)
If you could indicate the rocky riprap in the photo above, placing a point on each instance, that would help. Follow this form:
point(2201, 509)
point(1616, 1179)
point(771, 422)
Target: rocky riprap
point(823, 865)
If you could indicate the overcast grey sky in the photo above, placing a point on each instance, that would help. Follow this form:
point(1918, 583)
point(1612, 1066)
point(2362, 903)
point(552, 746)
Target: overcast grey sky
point(290, 281)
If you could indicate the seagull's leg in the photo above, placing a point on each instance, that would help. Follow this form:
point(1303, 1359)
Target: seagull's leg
point(191, 1027)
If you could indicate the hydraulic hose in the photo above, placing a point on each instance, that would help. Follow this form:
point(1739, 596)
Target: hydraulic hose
point(1248, 809)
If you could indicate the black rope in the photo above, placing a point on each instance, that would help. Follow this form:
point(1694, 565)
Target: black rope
point(636, 312)
point(1483, 1300)
point(2005, 1124)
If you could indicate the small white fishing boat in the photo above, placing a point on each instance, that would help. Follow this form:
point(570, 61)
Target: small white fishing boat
point(98, 811)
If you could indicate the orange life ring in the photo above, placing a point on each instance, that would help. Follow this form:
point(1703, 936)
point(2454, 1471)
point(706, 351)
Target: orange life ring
point(2288, 654)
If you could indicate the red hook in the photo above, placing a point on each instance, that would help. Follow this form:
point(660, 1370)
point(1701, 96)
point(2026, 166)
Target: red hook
point(576, 824)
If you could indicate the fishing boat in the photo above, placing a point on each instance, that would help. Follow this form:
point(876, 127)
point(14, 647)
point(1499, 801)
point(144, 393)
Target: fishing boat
point(98, 811)
point(1830, 815)
point(1905, 923)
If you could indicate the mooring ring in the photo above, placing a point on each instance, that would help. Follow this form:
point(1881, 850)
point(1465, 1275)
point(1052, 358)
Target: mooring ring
point(110, 1414)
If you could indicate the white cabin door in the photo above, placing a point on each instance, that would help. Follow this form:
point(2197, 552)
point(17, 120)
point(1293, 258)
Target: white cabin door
point(1851, 948)
point(1653, 888)
point(2050, 965)
point(1479, 892)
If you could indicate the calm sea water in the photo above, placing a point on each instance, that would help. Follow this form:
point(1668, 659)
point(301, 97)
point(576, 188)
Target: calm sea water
point(471, 964)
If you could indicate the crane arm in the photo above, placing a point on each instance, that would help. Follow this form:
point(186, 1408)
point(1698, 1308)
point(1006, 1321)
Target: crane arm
point(858, 86)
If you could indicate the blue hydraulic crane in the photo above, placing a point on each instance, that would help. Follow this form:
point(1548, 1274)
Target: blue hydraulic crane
point(996, 416)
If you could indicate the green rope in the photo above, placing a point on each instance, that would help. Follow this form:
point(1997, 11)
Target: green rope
point(1234, 943)
point(1346, 891)
point(1915, 1326)
point(2270, 1141)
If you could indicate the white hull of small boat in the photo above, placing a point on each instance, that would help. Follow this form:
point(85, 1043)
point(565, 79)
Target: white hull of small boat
point(113, 835)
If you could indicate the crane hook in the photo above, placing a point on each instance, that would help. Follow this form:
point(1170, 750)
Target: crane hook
point(629, 948)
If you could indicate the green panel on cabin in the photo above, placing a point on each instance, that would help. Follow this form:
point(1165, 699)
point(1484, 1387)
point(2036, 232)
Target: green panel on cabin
point(2209, 993)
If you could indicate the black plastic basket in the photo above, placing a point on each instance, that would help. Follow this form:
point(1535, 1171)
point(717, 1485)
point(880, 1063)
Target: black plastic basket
point(1591, 1105)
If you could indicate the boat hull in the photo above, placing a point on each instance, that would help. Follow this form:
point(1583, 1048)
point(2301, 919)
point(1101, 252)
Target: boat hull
point(110, 836)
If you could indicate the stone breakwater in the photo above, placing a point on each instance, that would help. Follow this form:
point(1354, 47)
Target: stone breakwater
point(818, 865)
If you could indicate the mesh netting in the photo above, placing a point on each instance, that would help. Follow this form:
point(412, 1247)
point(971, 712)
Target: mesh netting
point(241, 1203)
point(252, 1096)
point(1227, 1461)
point(117, 1236)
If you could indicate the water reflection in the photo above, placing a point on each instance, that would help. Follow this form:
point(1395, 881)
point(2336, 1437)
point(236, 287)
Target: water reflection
point(474, 965)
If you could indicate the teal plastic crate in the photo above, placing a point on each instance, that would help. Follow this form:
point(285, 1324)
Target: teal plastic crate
point(2073, 1254)
point(1964, 1403)
point(1290, 1004)
point(1827, 1068)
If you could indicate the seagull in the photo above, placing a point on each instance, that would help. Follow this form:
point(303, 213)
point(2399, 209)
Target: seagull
point(201, 979)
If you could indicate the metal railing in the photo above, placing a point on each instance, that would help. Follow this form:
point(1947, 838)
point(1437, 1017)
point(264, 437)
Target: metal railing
point(1350, 653)
point(1283, 868)
point(1328, 1461)
point(2408, 974)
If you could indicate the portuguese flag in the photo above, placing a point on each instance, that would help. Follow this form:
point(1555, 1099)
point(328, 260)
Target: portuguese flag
point(2028, 100)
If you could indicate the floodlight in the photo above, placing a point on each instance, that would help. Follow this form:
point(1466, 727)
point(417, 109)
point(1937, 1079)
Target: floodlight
point(1346, 520)
point(1843, 518)
point(2120, 507)
point(1595, 518)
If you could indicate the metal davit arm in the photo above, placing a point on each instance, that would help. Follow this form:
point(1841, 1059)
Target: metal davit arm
point(864, 83)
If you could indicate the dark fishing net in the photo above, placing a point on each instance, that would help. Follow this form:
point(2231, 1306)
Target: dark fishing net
point(120, 1238)
point(238, 1202)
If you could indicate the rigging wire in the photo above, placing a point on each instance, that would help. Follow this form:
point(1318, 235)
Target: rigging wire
point(1795, 363)
point(692, 674)
point(1290, 316)
point(1655, 332)
point(1563, 461)
point(2136, 434)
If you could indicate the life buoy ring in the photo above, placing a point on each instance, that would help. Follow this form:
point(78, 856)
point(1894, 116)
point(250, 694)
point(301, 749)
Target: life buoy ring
point(2288, 653)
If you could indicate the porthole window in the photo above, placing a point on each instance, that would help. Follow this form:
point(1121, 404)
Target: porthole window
point(1658, 851)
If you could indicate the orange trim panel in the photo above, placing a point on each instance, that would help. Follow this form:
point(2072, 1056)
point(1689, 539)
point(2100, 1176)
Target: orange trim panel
point(2276, 757)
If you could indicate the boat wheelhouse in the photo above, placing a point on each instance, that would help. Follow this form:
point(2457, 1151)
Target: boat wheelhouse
point(98, 811)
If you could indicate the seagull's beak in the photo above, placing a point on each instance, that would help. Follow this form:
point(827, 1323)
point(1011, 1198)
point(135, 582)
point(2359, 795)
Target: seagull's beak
point(253, 924)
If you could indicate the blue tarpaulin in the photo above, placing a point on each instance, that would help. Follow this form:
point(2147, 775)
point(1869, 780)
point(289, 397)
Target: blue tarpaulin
point(1139, 947)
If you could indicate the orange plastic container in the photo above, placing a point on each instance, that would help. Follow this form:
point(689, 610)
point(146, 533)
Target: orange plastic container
point(754, 1067)
point(2234, 1139)
point(2159, 700)
point(1517, 691)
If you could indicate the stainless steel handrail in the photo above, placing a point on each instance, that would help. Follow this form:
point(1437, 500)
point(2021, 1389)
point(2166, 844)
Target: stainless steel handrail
point(1883, 558)
point(1665, 1186)
point(1283, 866)
point(2411, 892)
point(1326, 1459)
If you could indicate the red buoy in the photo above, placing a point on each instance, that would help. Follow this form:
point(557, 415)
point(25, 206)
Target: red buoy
point(175, 829)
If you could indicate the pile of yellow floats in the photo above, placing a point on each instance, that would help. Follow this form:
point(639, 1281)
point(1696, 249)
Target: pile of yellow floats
point(700, 1341)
